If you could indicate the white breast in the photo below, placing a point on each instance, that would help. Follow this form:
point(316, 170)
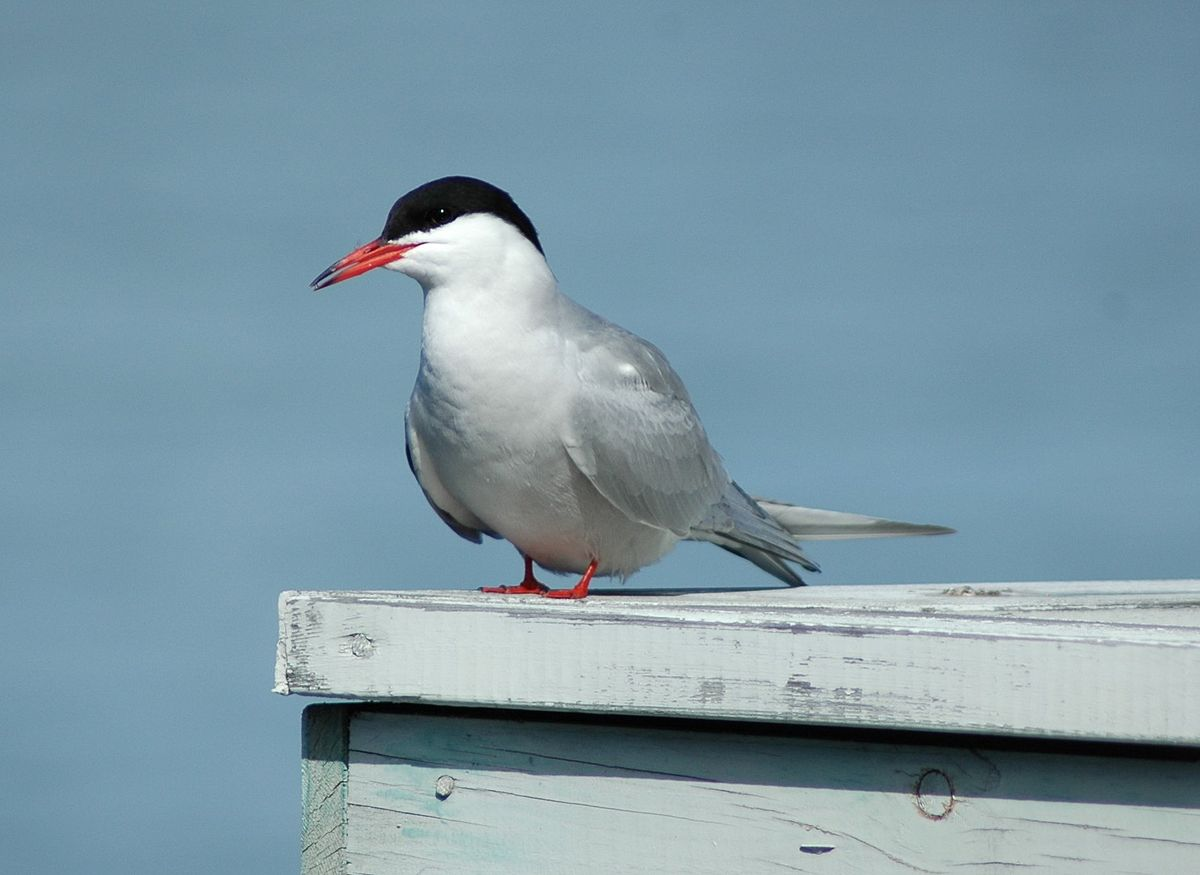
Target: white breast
point(492, 395)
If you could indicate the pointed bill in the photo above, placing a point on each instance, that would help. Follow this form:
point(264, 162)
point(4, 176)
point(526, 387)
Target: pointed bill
point(375, 254)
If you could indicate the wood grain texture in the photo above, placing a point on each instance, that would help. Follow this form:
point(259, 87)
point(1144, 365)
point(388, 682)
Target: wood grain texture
point(1115, 660)
point(324, 775)
point(430, 792)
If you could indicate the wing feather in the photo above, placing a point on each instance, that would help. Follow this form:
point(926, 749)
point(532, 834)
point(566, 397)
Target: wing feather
point(633, 432)
point(453, 514)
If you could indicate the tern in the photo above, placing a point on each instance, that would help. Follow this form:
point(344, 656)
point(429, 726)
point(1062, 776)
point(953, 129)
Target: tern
point(537, 421)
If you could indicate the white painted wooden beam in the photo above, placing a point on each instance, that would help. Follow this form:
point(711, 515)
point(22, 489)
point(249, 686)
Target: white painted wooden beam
point(1110, 661)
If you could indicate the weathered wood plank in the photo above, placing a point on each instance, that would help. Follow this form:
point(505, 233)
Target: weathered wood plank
point(324, 772)
point(1099, 660)
point(442, 793)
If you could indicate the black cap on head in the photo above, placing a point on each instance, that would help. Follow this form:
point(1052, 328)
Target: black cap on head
point(444, 200)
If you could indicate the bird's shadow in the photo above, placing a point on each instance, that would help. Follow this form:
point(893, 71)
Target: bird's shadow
point(678, 591)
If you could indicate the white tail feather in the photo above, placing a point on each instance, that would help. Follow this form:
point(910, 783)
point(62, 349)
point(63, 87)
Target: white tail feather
point(813, 524)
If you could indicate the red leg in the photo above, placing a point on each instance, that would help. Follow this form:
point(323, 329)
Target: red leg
point(580, 589)
point(529, 586)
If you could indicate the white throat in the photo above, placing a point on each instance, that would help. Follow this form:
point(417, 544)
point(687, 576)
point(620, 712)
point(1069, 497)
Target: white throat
point(492, 306)
point(475, 256)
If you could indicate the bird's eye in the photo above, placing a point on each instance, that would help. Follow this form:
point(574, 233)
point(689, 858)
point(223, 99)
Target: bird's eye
point(426, 218)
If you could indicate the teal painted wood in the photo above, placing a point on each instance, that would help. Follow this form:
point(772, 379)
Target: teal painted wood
point(1108, 660)
point(441, 792)
point(324, 777)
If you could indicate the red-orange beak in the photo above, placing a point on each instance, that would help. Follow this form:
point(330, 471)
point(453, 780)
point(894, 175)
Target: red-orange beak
point(375, 254)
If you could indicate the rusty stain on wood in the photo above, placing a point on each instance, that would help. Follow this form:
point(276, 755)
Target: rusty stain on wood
point(934, 794)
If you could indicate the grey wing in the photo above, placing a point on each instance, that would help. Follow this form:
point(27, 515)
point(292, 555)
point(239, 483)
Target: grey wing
point(632, 431)
point(738, 524)
point(636, 436)
point(453, 514)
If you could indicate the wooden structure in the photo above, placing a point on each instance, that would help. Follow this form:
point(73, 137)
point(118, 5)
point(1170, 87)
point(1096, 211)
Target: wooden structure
point(1045, 727)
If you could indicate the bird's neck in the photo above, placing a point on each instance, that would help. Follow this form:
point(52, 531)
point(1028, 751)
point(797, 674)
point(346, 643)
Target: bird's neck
point(514, 291)
point(491, 319)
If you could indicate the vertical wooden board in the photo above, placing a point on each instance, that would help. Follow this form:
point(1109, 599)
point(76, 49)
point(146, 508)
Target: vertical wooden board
point(463, 794)
point(325, 742)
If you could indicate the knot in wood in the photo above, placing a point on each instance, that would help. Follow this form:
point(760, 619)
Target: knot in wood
point(444, 787)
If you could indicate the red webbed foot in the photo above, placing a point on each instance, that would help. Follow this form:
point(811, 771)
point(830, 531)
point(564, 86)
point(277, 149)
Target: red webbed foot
point(532, 586)
point(522, 588)
point(580, 590)
point(529, 586)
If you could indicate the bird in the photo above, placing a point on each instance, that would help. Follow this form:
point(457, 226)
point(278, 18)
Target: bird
point(535, 420)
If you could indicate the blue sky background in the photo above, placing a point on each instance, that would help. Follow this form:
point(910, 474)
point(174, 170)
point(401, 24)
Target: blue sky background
point(932, 261)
